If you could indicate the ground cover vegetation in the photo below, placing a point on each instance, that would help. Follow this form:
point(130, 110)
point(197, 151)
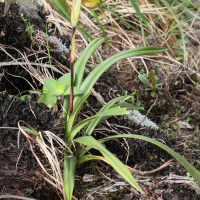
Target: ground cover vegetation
point(158, 27)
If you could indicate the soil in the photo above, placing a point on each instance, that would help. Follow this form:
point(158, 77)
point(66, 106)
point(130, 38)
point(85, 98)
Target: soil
point(20, 173)
point(17, 41)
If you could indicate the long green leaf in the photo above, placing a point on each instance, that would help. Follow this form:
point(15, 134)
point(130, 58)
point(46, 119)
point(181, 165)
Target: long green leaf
point(61, 5)
point(121, 19)
point(191, 169)
point(194, 183)
point(100, 25)
point(74, 114)
point(28, 130)
point(9, 128)
point(77, 91)
point(88, 158)
point(84, 33)
point(193, 5)
point(79, 66)
point(69, 175)
point(137, 9)
point(113, 161)
point(32, 131)
point(65, 110)
point(144, 80)
point(112, 111)
point(97, 72)
point(94, 122)
point(187, 9)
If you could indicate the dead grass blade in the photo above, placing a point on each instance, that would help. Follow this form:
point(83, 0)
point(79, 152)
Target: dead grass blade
point(47, 141)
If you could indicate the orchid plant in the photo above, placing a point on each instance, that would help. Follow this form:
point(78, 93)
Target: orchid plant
point(53, 89)
point(75, 92)
point(151, 83)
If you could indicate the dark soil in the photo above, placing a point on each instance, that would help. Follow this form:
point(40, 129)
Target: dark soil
point(16, 41)
point(25, 175)
point(19, 171)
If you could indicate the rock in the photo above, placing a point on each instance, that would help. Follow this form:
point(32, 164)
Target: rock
point(33, 15)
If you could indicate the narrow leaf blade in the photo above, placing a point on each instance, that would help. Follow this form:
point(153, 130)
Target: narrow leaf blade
point(94, 122)
point(113, 161)
point(69, 175)
point(190, 168)
point(144, 80)
point(152, 77)
point(100, 25)
point(110, 112)
point(97, 72)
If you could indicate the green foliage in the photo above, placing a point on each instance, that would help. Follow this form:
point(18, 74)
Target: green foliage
point(190, 168)
point(138, 104)
point(177, 23)
point(100, 25)
point(69, 174)
point(112, 160)
point(52, 89)
point(60, 89)
point(25, 96)
point(151, 83)
point(82, 89)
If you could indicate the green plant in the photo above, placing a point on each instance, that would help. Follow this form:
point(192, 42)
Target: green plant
point(29, 27)
point(138, 104)
point(52, 89)
point(188, 119)
point(142, 71)
point(28, 191)
point(55, 89)
point(152, 82)
point(74, 92)
point(131, 105)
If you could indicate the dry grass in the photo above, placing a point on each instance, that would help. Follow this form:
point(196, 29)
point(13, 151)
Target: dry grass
point(160, 28)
